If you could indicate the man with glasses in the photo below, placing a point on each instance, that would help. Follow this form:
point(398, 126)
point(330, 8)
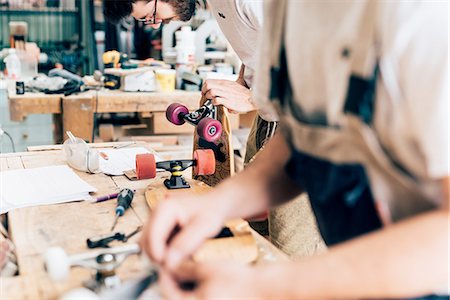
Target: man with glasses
point(152, 20)
point(151, 12)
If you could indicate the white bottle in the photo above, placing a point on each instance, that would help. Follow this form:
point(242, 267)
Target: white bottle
point(185, 45)
point(13, 65)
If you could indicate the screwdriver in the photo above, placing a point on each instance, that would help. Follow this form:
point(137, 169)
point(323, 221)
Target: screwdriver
point(123, 203)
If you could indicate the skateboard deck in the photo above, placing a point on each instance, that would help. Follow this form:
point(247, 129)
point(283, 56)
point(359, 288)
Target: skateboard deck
point(222, 147)
point(241, 246)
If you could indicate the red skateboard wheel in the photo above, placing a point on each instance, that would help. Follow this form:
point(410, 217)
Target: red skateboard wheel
point(145, 166)
point(206, 162)
point(174, 111)
point(209, 129)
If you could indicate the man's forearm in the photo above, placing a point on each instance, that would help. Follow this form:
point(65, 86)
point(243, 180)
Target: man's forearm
point(262, 183)
point(404, 260)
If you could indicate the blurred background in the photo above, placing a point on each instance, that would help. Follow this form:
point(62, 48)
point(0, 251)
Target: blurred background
point(65, 47)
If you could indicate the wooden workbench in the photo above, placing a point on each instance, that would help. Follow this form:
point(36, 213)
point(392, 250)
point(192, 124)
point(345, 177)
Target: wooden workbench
point(68, 225)
point(76, 112)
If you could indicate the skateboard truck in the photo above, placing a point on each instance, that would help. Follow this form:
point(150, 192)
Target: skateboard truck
point(176, 167)
point(208, 128)
point(103, 262)
point(204, 163)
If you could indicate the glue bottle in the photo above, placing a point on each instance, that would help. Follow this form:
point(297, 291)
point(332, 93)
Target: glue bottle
point(185, 46)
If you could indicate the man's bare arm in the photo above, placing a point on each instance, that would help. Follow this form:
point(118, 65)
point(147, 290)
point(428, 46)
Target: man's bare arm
point(407, 259)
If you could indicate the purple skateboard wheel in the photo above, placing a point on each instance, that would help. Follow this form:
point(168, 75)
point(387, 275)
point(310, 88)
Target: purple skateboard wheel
point(209, 129)
point(175, 112)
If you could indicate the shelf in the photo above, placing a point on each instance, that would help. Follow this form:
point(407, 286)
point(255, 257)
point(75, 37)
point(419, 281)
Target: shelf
point(37, 11)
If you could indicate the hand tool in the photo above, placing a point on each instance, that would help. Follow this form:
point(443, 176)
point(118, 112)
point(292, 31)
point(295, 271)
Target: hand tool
point(113, 59)
point(123, 203)
point(105, 240)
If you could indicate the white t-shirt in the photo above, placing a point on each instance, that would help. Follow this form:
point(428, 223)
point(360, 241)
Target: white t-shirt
point(412, 111)
point(241, 22)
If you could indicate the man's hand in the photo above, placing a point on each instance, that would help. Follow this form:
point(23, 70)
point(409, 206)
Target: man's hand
point(214, 281)
point(180, 224)
point(231, 94)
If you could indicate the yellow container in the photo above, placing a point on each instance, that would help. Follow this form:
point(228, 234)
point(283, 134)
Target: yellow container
point(166, 80)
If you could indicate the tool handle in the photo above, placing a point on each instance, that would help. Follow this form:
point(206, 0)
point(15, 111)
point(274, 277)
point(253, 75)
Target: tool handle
point(120, 210)
point(124, 200)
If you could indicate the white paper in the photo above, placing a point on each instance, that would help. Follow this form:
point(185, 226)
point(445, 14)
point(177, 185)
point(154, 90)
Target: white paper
point(41, 186)
point(121, 160)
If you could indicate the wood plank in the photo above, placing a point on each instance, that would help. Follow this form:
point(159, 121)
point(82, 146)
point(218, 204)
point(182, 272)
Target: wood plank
point(96, 146)
point(156, 191)
point(15, 163)
point(21, 106)
point(3, 164)
point(78, 110)
point(116, 101)
point(16, 154)
point(164, 140)
point(78, 115)
point(55, 158)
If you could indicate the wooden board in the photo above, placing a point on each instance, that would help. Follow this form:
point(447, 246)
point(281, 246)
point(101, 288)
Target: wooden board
point(78, 110)
point(223, 149)
point(21, 106)
point(117, 101)
point(241, 247)
point(78, 115)
point(33, 230)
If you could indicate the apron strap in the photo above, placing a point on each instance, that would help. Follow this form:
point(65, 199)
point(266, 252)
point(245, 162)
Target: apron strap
point(276, 33)
point(363, 56)
point(364, 67)
point(278, 66)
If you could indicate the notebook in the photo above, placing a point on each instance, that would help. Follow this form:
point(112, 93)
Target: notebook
point(41, 186)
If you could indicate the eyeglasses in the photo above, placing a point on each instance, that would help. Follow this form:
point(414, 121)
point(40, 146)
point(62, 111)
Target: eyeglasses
point(153, 20)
